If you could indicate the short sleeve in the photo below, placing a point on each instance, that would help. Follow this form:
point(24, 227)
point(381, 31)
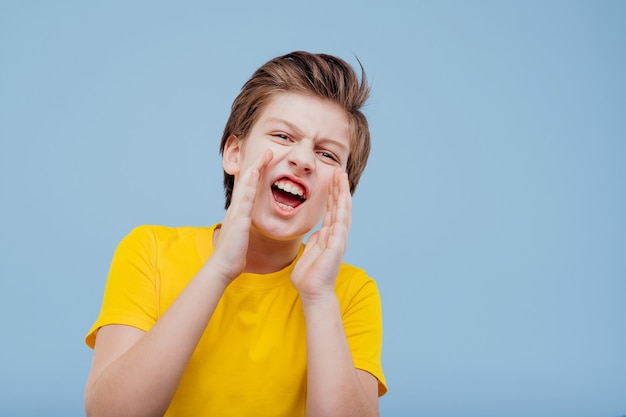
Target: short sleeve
point(363, 324)
point(130, 295)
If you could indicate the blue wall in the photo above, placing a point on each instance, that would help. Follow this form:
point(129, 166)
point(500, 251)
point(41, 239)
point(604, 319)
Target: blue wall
point(491, 213)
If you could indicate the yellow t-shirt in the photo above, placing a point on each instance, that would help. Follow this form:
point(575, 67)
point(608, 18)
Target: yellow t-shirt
point(251, 359)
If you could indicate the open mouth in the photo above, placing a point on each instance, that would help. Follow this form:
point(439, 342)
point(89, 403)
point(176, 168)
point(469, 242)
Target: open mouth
point(288, 194)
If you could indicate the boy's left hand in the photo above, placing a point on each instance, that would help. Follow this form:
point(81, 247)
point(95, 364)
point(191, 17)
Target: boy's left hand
point(315, 273)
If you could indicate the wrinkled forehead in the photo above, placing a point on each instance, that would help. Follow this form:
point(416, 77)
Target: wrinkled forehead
point(307, 113)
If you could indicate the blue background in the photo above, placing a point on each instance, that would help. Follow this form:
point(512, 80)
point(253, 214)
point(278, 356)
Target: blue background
point(492, 212)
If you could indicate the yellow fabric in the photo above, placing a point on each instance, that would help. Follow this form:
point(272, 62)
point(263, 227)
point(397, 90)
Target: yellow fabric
point(251, 359)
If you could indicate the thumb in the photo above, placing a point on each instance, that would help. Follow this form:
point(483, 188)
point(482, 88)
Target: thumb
point(313, 238)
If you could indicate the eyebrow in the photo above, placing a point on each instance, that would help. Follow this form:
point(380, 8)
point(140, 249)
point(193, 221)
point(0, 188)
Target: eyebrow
point(295, 129)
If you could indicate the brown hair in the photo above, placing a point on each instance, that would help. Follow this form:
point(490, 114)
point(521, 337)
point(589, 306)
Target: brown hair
point(320, 75)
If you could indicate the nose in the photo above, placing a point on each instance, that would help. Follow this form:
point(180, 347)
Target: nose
point(302, 157)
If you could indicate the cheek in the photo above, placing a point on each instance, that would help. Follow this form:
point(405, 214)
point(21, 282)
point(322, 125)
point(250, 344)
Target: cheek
point(250, 154)
point(279, 151)
point(324, 190)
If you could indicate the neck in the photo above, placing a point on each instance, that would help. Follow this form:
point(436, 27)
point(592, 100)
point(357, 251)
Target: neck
point(266, 255)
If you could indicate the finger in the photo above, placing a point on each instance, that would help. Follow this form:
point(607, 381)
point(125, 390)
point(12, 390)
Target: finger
point(342, 190)
point(343, 205)
point(327, 225)
point(330, 202)
point(262, 161)
point(313, 239)
point(245, 189)
point(329, 229)
point(337, 195)
point(331, 207)
point(251, 177)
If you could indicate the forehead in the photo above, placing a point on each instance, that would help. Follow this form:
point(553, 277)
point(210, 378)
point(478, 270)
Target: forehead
point(312, 116)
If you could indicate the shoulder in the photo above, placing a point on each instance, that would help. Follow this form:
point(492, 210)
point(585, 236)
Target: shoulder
point(159, 235)
point(151, 242)
point(168, 232)
point(352, 281)
point(354, 274)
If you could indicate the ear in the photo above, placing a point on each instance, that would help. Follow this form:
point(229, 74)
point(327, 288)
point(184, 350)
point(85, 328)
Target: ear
point(231, 157)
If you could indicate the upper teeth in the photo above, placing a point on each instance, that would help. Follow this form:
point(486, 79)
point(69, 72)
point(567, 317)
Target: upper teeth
point(290, 187)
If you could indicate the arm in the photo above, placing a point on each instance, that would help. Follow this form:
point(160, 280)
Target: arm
point(334, 386)
point(136, 373)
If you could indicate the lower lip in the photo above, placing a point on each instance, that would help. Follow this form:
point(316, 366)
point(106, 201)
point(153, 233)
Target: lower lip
point(285, 212)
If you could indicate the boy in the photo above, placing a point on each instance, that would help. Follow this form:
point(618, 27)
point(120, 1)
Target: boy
point(242, 319)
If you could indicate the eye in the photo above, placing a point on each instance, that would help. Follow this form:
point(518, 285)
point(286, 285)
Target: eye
point(282, 136)
point(329, 155)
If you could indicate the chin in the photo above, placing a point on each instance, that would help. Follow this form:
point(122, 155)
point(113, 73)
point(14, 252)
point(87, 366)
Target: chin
point(281, 230)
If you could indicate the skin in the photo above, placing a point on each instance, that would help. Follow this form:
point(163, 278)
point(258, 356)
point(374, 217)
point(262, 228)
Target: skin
point(135, 373)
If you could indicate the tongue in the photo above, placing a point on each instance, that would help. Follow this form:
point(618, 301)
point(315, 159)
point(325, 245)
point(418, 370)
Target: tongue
point(287, 199)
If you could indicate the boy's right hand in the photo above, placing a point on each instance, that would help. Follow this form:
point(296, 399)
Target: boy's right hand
point(231, 242)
